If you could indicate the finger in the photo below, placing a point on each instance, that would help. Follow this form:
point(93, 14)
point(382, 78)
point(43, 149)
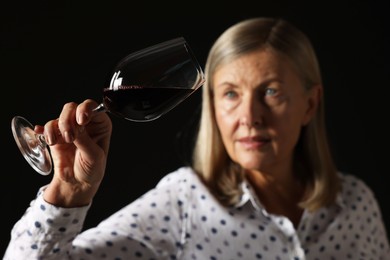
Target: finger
point(85, 111)
point(39, 129)
point(90, 150)
point(67, 122)
point(51, 132)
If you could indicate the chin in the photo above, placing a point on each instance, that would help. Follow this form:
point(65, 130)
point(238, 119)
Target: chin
point(253, 166)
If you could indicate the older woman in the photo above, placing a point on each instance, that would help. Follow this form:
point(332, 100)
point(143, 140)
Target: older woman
point(263, 184)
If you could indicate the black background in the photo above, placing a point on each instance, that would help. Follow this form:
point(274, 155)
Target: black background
point(55, 52)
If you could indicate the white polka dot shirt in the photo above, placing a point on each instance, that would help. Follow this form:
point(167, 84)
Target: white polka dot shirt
point(180, 219)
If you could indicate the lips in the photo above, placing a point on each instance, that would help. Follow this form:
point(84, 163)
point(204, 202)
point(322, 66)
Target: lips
point(252, 142)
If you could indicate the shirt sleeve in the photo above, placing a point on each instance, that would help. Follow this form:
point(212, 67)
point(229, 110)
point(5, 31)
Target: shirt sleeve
point(151, 227)
point(44, 229)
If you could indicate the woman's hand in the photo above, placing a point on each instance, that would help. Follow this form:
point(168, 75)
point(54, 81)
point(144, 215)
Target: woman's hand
point(79, 142)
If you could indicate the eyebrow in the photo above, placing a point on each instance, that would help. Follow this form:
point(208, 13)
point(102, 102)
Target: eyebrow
point(260, 85)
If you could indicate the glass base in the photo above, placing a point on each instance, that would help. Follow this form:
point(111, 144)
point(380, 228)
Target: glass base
point(32, 148)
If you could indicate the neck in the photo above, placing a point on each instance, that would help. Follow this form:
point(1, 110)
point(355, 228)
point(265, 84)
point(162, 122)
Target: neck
point(280, 193)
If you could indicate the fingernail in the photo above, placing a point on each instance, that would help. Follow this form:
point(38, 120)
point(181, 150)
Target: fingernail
point(82, 118)
point(49, 140)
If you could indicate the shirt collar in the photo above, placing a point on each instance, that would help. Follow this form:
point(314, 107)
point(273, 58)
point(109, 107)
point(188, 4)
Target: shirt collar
point(249, 196)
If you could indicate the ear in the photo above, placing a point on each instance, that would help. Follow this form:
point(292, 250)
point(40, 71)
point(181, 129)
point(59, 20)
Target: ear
point(314, 96)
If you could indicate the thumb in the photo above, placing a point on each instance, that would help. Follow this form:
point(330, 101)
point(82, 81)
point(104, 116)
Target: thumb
point(89, 148)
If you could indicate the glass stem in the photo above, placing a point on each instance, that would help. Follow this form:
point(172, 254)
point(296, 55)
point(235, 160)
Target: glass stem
point(99, 108)
point(42, 140)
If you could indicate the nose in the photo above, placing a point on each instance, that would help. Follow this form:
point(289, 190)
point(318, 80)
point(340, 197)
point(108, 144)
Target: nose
point(251, 111)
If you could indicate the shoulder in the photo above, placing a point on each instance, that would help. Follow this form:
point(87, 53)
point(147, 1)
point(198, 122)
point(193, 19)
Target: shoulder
point(182, 184)
point(362, 208)
point(185, 183)
point(183, 176)
point(175, 191)
point(352, 184)
point(356, 192)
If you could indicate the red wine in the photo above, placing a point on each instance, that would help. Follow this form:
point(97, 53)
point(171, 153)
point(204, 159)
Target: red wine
point(143, 103)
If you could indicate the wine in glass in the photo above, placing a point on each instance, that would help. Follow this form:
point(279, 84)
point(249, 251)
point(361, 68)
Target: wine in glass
point(144, 86)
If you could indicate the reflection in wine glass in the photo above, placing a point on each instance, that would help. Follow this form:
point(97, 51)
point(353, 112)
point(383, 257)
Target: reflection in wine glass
point(144, 86)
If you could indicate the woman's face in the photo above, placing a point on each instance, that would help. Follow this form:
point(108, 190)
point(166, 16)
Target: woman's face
point(260, 108)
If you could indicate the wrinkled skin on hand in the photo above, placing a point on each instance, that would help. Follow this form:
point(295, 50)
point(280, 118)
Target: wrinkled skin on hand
point(79, 141)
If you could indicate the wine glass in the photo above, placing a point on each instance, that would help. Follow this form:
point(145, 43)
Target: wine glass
point(144, 86)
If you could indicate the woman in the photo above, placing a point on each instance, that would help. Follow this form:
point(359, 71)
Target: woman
point(262, 185)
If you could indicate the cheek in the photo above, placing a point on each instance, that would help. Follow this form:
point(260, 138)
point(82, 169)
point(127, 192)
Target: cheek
point(288, 128)
point(227, 124)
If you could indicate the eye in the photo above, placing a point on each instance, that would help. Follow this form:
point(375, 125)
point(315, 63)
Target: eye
point(230, 94)
point(270, 92)
point(273, 96)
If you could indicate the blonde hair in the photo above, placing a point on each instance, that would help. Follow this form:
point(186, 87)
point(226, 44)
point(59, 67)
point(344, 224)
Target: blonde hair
point(210, 159)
